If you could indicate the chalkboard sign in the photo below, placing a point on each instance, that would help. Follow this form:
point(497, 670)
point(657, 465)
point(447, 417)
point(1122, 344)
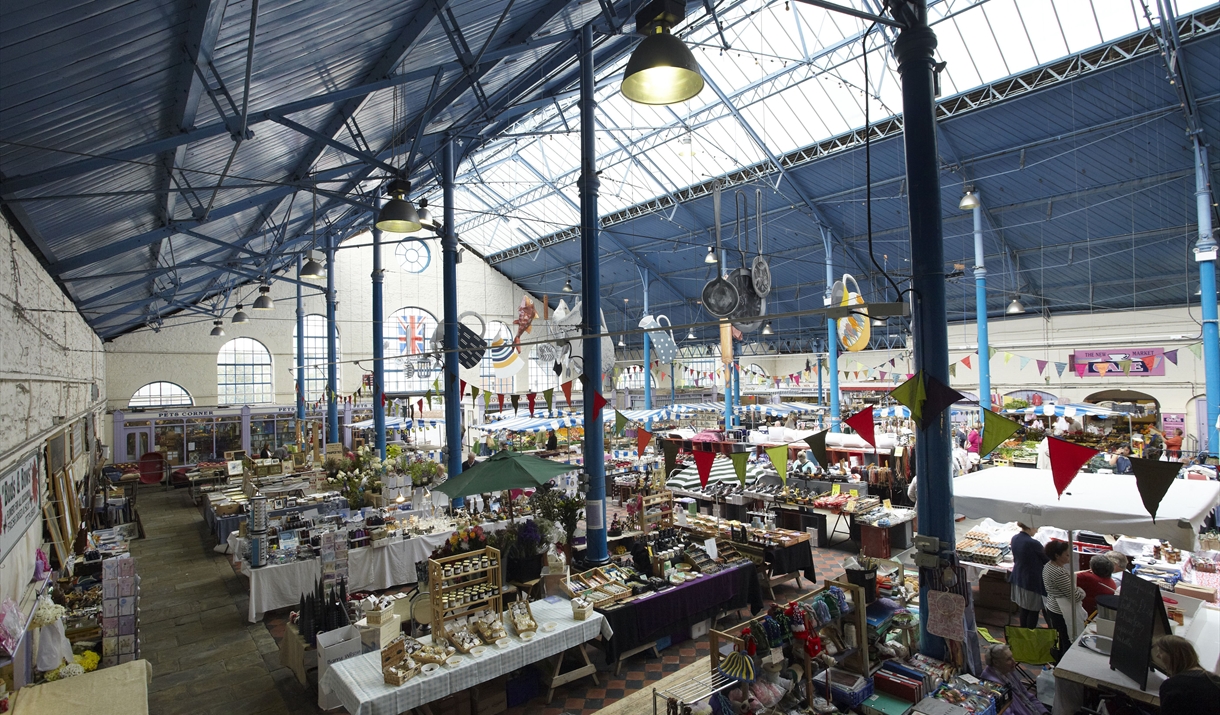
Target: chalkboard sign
point(1141, 618)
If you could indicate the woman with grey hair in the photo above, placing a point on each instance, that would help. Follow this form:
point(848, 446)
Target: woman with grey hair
point(1096, 581)
point(1001, 668)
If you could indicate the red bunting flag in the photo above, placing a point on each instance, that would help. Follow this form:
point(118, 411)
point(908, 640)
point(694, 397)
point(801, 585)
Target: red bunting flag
point(500, 400)
point(1149, 362)
point(567, 392)
point(862, 423)
point(1066, 460)
point(598, 403)
point(642, 438)
point(1080, 368)
point(965, 361)
point(421, 406)
point(461, 389)
point(703, 463)
point(530, 397)
point(797, 378)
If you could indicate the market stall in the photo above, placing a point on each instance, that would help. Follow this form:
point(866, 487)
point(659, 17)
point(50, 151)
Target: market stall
point(1105, 503)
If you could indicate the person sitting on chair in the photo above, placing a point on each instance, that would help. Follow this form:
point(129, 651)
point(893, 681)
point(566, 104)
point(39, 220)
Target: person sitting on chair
point(1189, 688)
point(1001, 668)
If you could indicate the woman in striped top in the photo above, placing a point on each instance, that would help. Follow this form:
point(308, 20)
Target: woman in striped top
point(1057, 580)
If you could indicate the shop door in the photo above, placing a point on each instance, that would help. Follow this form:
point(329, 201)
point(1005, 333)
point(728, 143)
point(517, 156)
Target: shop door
point(137, 441)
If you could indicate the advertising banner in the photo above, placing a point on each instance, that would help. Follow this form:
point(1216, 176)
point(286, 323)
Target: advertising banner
point(19, 507)
point(1120, 362)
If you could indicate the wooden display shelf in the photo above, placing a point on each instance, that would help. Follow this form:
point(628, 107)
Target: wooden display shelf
point(442, 587)
point(663, 520)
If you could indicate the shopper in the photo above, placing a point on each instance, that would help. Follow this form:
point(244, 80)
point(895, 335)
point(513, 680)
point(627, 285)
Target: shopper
point(973, 440)
point(1189, 688)
point(1122, 460)
point(1062, 596)
point(552, 442)
point(1120, 562)
point(1044, 453)
point(1173, 444)
point(1001, 668)
point(265, 452)
point(1027, 589)
point(1096, 581)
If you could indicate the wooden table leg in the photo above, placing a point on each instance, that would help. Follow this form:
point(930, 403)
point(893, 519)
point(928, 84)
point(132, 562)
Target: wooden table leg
point(557, 677)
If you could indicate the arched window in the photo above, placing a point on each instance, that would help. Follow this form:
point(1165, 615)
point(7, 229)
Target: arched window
point(501, 363)
point(161, 394)
point(632, 378)
point(315, 356)
point(408, 341)
point(243, 373)
point(693, 372)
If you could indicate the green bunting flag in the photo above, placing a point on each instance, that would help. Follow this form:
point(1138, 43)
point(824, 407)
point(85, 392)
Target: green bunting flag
point(1197, 350)
point(953, 369)
point(817, 445)
point(474, 394)
point(670, 448)
point(428, 395)
point(620, 421)
point(739, 465)
point(548, 395)
point(996, 429)
point(779, 459)
point(912, 393)
point(991, 353)
point(516, 400)
point(486, 398)
point(1153, 478)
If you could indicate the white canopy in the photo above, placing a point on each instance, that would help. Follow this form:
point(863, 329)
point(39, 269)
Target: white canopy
point(1105, 503)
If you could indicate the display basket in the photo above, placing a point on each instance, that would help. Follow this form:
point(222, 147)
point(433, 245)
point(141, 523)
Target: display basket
point(581, 609)
point(516, 611)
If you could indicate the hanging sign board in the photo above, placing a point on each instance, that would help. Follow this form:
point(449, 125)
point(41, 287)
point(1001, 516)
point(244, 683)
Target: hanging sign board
point(1120, 362)
point(19, 505)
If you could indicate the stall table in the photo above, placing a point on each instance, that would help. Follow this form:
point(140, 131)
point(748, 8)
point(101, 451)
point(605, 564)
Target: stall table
point(118, 690)
point(358, 683)
point(222, 526)
point(643, 621)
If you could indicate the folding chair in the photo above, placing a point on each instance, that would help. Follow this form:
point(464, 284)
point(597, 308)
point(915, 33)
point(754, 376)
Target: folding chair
point(986, 634)
point(1031, 646)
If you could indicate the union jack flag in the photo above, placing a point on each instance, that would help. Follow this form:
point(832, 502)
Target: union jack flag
point(411, 334)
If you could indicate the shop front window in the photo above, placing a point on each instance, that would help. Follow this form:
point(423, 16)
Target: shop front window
point(262, 432)
point(200, 445)
point(168, 439)
point(228, 435)
point(285, 432)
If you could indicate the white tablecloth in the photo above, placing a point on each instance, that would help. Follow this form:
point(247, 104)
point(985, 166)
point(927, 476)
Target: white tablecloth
point(1105, 503)
point(360, 686)
point(369, 569)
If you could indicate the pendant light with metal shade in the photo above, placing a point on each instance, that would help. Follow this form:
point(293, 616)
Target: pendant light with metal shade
point(662, 69)
point(710, 258)
point(313, 270)
point(690, 335)
point(969, 202)
point(240, 316)
point(425, 216)
point(767, 329)
point(1014, 308)
point(398, 215)
point(263, 301)
point(218, 331)
point(567, 286)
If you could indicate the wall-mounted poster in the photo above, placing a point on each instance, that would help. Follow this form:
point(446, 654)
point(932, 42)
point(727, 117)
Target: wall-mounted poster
point(19, 500)
point(1119, 362)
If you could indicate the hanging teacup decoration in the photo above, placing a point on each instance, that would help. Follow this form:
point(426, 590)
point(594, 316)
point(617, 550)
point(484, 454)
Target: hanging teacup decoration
point(471, 345)
point(506, 360)
point(854, 330)
point(663, 346)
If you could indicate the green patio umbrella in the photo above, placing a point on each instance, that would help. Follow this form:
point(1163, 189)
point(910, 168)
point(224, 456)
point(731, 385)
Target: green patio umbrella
point(504, 470)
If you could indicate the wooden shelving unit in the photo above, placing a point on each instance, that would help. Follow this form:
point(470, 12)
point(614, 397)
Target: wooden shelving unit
point(663, 520)
point(450, 585)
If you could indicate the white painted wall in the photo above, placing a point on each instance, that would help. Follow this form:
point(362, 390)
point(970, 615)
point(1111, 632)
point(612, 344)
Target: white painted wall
point(183, 353)
point(50, 363)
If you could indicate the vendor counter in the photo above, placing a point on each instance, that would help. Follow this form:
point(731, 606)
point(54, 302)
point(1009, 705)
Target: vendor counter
point(118, 690)
point(222, 526)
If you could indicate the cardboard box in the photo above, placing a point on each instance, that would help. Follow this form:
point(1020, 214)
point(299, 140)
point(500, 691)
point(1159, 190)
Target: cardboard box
point(1203, 593)
point(375, 637)
point(334, 646)
point(883, 704)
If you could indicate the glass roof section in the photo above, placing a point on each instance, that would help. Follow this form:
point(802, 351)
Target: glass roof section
point(781, 76)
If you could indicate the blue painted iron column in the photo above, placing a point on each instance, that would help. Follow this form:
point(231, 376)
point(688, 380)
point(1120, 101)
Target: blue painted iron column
point(980, 306)
point(378, 346)
point(647, 348)
point(332, 348)
point(596, 551)
point(832, 340)
point(1205, 255)
point(914, 49)
point(300, 350)
point(453, 401)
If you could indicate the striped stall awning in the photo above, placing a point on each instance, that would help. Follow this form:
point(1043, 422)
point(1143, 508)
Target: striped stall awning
point(722, 471)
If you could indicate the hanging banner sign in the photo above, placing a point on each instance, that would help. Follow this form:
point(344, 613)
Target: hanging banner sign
point(19, 507)
point(1120, 362)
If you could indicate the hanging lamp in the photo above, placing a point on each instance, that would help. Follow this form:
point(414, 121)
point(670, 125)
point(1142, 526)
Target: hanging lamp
point(263, 301)
point(218, 331)
point(425, 216)
point(662, 69)
point(398, 215)
point(767, 329)
point(313, 270)
point(710, 258)
point(1014, 308)
point(567, 286)
point(240, 316)
point(690, 334)
point(969, 202)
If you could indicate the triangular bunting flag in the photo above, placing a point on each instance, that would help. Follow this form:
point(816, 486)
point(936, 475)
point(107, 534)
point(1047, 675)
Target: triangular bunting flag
point(1149, 362)
point(461, 389)
point(703, 464)
point(1172, 356)
point(549, 395)
point(1024, 362)
point(598, 403)
point(642, 438)
point(779, 460)
point(1153, 478)
point(991, 353)
point(940, 396)
point(474, 394)
point(912, 393)
point(1042, 366)
point(996, 429)
point(1080, 368)
point(515, 400)
point(567, 392)
point(1126, 366)
point(1007, 357)
point(428, 395)
point(500, 401)
point(620, 421)
point(529, 398)
point(966, 362)
point(952, 370)
point(1103, 368)
point(862, 423)
point(1197, 350)
point(817, 445)
point(486, 399)
point(1066, 460)
point(739, 465)
point(1060, 367)
point(670, 449)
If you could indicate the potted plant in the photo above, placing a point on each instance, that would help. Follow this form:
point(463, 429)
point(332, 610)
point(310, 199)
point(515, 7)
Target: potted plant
point(523, 548)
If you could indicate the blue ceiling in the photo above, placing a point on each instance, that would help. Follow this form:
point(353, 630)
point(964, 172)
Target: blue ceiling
point(119, 119)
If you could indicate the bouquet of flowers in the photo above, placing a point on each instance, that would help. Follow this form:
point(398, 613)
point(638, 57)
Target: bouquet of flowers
point(471, 538)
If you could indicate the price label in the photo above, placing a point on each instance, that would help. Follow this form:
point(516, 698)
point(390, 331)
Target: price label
point(888, 505)
point(855, 493)
point(834, 490)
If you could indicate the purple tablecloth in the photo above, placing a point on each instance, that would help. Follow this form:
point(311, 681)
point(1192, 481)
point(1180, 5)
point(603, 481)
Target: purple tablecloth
point(674, 610)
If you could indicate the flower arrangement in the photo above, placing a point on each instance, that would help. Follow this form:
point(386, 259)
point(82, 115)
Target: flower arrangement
point(471, 538)
point(46, 613)
point(352, 478)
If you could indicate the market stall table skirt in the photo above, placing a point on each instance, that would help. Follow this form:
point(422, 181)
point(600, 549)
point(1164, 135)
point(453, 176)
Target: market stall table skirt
point(118, 690)
point(359, 685)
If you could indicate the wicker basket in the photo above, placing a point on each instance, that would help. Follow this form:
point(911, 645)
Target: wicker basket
point(581, 612)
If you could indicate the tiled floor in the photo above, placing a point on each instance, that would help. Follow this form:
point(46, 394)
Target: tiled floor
point(206, 658)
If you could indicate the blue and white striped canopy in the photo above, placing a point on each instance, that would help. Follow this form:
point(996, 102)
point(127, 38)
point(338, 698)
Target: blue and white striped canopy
point(722, 471)
point(892, 411)
point(645, 417)
point(1069, 410)
point(399, 423)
